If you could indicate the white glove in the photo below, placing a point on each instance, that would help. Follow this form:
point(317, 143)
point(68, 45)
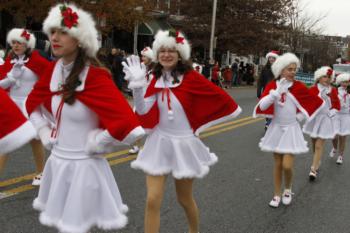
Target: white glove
point(300, 117)
point(283, 86)
point(45, 137)
point(332, 113)
point(15, 74)
point(99, 142)
point(135, 72)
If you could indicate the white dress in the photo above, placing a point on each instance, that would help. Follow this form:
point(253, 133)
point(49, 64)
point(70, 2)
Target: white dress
point(172, 147)
point(344, 113)
point(322, 125)
point(284, 134)
point(78, 190)
point(21, 89)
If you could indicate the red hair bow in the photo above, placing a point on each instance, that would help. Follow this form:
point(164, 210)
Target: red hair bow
point(25, 35)
point(179, 39)
point(70, 18)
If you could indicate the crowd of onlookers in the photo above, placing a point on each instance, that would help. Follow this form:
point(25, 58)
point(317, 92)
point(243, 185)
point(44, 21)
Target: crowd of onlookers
point(239, 73)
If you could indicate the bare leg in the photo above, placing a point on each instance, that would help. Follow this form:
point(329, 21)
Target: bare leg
point(318, 153)
point(342, 140)
point(155, 191)
point(39, 155)
point(3, 160)
point(185, 198)
point(335, 142)
point(288, 163)
point(277, 174)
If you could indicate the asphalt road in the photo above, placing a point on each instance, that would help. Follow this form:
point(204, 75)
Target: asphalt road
point(232, 198)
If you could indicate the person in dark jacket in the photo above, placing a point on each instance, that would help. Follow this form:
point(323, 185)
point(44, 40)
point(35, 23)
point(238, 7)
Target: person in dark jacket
point(265, 77)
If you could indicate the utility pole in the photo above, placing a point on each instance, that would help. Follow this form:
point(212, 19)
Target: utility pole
point(212, 32)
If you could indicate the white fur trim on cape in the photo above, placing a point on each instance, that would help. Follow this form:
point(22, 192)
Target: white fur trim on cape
point(284, 61)
point(342, 78)
point(85, 32)
point(162, 39)
point(17, 138)
point(15, 35)
point(218, 121)
point(322, 71)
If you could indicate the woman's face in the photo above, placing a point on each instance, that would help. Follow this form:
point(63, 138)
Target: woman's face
point(18, 48)
point(168, 58)
point(272, 60)
point(289, 72)
point(325, 80)
point(344, 84)
point(63, 45)
point(146, 60)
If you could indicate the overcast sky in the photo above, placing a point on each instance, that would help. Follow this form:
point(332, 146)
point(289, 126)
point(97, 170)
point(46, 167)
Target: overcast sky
point(337, 21)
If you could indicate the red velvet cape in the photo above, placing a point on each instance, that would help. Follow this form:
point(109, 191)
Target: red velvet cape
point(202, 101)
point(305, 101)
point(335, 102)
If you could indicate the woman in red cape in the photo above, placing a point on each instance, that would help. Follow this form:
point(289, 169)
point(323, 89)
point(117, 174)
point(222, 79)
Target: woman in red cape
point(325, 125)
point(178, 104)
point(281, 100)
point(79, 115)
point(19, 73)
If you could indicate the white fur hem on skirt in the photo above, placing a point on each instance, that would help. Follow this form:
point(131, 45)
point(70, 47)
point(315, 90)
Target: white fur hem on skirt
point(102, 224)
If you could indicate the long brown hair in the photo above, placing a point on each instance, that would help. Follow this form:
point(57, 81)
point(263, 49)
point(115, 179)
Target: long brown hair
point(73, 81)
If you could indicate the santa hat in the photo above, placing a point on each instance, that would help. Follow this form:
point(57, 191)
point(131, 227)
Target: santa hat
point(282, 62)
point(77, 23)
point(272, 53)
point(342, 78)
point(171, 39)
point(23, 36)
point(15, 129)
point(147, 52)
point(323, 71)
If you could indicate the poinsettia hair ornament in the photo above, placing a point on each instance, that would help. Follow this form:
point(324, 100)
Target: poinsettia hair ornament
point(70, 18)
point(21, 35)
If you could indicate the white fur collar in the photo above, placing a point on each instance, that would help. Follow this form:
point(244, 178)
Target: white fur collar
point(56, 77)
point(166, 81)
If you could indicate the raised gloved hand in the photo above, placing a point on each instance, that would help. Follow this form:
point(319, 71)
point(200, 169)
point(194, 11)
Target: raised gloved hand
point(135, 72)
point(282, 87)
point(45, 137)
point(15, 74)
point(332, 113)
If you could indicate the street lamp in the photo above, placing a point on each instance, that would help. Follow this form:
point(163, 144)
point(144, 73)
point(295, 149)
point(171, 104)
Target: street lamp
point(136, 29)
point(212, 32)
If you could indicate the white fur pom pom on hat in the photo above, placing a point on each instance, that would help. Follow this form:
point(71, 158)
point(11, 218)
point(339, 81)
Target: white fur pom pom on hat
point(21, 35)
point(171, 39)
point(343, 77)
point(282, 62)
point(147, 52)
point(323, 71)
point(77, 23)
